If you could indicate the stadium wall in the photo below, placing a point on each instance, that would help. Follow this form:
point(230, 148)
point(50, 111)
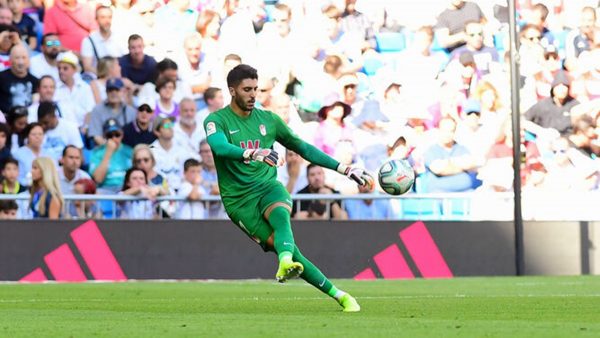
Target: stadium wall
point(118, 250)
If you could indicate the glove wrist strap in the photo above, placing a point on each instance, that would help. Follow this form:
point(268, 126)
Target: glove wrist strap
point(342, 169)
point(248, 154)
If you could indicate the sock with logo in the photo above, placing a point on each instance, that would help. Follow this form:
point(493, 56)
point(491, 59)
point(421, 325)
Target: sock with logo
point(282, 228)
point(312, 274)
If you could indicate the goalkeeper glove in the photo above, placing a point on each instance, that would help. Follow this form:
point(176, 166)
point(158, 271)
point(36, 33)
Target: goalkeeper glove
point(267, 156)
point(358, 175)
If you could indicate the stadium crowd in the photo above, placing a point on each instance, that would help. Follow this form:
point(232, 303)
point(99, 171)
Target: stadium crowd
point(109, 97)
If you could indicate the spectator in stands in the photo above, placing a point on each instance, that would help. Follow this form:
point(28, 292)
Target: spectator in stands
point(173, 21)
point(166, 68)
point(73, 21)
point(208, 25)
point(58, 132)
point(368, 209)
point(531, 51)
point(9, 37)
point(449, 166)
point(195, 67)
point(450, 27)
point(25, 24)
point(110, 160)
point(136, 184)
point(100, 43)
point(209, 181)
point(165, 105)
point(8, 209)
point(144, 159)
point(46, 91)
point(4, 142)
point(17, 85)
point(140, 130)
point(137, 66)
point(188, 132)
point(70, 171)
point(193, 190)
point(265, 87)
point(45, 199)
point(72, 91)
point(485, 57)
point(16, 120)
point(45, 63)
point(219, 75)
point(348, 44)
point(6, 16)
point(332, 128)
point(213, 97)
point(32, 149)
point(82, 209)
point(314, 209)
point(107, 68)
point(114, 107)
point(586, 87)
point(580, 39)
point(10, 177)
point(169, 157)
point(355, 21)
point(537, 17)
point(554, 111)
point(293, 173)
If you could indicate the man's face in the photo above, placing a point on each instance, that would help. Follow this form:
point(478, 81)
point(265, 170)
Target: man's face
point(316, 177)
point(474, 35)
point(49, 122)
point(51, 47)
point(166, 130)
point(193, 173)
point(192, 49)
point(282, 22)
point(104, 19)
point(217, 102)
point(114, 96)
point(19, 60)
point(136, 50)
point(560, 91)
point(66, 71)
point(206, 154)
point(6, 16)
point(244, 95)
point(265, 87)
point(588, 21)
point(144, 117)
point(116, 136)
point(10, 172)
point(2, 140)
point(72, 159)
point(350, 93)
point(187, 112)
point(16, 6)
point(36, 137)
point(446, 131)
point(47, 89)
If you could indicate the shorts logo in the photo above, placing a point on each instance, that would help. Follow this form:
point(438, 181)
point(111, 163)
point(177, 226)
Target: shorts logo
point(210, 128)
point(263, 130)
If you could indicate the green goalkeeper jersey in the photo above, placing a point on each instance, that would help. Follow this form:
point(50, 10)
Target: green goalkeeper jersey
point(229, 134)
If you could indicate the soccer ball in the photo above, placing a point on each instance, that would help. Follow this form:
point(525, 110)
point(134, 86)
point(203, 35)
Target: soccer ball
point(396, 177)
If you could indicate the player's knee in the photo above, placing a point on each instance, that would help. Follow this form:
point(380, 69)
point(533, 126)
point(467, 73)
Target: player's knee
point(278, 207)
point(270, 244)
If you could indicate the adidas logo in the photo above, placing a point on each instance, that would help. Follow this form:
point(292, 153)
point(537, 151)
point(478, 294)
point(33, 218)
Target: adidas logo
point(422, 249)
point(94, 250)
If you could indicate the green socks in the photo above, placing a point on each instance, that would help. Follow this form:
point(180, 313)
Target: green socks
point(282, 228)
point(312, 274)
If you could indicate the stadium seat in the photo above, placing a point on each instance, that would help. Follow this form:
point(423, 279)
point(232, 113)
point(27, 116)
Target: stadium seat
point(456, 208)
point(421, 209)
point(371, 65)
point(390, 42)
point(108, 209)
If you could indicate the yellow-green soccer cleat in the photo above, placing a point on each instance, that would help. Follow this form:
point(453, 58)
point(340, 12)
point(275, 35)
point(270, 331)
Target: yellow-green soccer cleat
point(288, 270)
point(349, 303)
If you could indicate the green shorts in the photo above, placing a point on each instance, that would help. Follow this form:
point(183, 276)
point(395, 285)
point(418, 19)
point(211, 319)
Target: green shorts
point(248, 215)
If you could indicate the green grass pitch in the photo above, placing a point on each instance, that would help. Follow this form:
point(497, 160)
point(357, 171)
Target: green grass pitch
point(468, 307)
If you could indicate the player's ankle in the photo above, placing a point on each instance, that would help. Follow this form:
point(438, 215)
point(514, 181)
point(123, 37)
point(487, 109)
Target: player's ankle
point(285, 257)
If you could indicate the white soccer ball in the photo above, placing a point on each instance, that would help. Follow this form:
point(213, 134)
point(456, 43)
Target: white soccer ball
point(396, 177)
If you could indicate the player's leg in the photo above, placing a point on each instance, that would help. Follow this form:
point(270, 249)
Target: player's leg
point(278, 217)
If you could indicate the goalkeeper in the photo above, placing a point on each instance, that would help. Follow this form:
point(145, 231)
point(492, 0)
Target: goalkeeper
point(241, 139)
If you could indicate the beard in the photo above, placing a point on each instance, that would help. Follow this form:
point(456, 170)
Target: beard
point(242, 104)
point(52, 55)
point(187, 121)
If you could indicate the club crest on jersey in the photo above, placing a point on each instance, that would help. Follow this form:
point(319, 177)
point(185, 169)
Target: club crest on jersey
point(263, 130)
